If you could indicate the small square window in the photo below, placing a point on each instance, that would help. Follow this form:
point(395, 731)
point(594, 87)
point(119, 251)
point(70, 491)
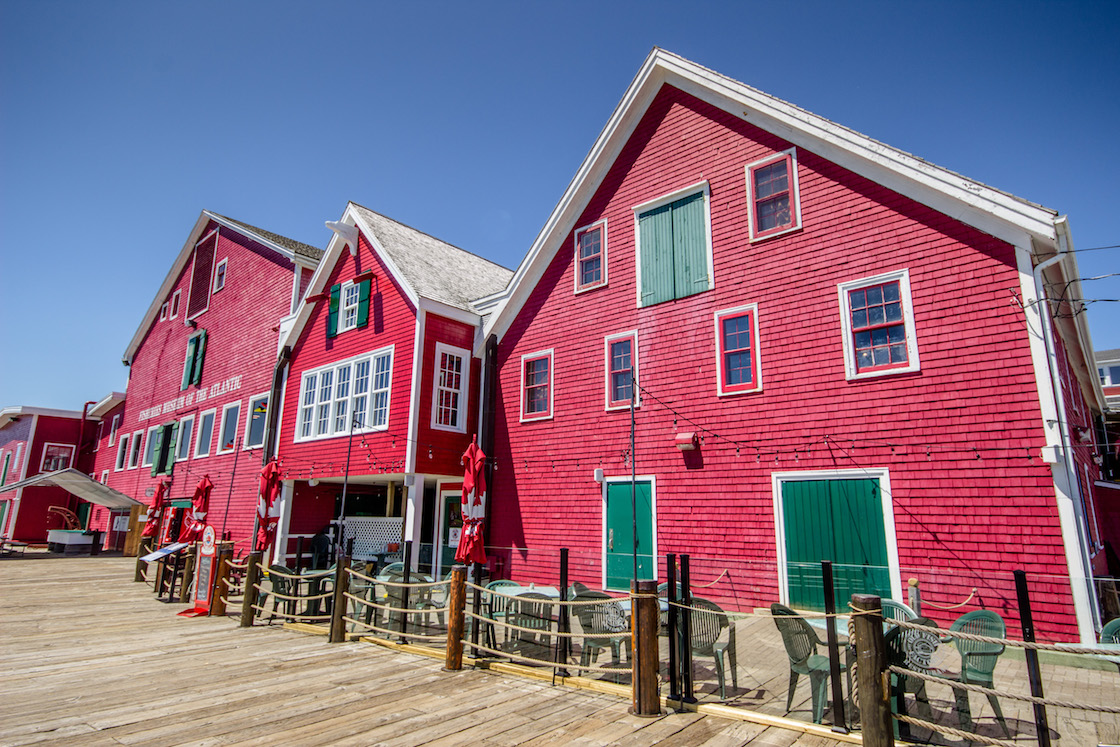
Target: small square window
point(220, 275)
point(737, 366)
point(878, 324)
point(536, 386)
point(775, 204)
point(621, 352)
point(591, 256)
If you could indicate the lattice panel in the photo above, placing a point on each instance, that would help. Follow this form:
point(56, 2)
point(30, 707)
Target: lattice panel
point(371, 535)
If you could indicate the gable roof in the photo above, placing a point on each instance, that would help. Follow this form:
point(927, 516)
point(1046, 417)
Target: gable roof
point(8, 414)
point(423, 266)
point(998, 213)
point(287, 248)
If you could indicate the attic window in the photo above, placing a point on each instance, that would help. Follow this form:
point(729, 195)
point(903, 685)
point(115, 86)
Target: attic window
point(775, 204)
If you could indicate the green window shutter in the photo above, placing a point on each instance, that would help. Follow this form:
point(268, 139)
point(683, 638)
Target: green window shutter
point(655, 232)
point(168, 448)
point(332, 315)
point(690, 246)
point(188, 364)
point(199, 356)
point(157, 450)
point(363, 302)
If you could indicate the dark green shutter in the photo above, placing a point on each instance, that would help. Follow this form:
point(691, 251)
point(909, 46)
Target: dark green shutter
point(690, 246)
point(188, 364)
point(655, 230)
point(157, 449)
point(332, 315)
point(169, 448)
point(199, 356)
point(363, 302)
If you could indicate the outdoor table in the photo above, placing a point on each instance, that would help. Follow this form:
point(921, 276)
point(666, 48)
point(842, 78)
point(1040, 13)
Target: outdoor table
point(314, 579)
point(549, 591)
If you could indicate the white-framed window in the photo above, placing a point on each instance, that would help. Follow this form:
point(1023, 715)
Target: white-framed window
point(220, 275)
point(150, 449)
point(100, 435)
point(877, 318)
point(175, 304)
point(349, 298)
point(255, 423)
point(591, 256)
point(56, 457)
point(4, 469)
point(104, 477)
point(352, 391)
point(227, 435)
point(536, 385)
point(451, 388)
point(1109, 373)
point(205, 439)
point(185, 438)
point(122, 453)
point(773, 198)
point(673, 246)
point(738, 368)
point(163, 312)
point(114, 429)
point(137, 444)
point(620, 353)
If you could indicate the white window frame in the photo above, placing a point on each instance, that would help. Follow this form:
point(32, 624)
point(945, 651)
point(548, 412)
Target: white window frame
point(114, 429)
point(182, 437)
point(631, 335)
point(221, 269)
point(602, 226)
point(176, 298)
point(756, 349)
point(372, 392)
point(122, 460)
point(551, 412)
point(645, 207)
point(194, 259)
point(343, 307)
point(149, 446)
point(43, 455)
point(463, 391)
point(137, 450)
point(882, 474)
point(104, 477)
point(198, 454)
point(163, 312)
point(222, 427)
point(794, 188)
point(249, 419)
point(851, 371)
point(100, 435)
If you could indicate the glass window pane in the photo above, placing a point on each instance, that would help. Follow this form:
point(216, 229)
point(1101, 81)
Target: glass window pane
point(890, 291)
point(875, 315)
point(893, 312)
point(874, 295)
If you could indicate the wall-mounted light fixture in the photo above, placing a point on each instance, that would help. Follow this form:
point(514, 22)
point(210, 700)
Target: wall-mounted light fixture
point(686, 441)
point(598, 474)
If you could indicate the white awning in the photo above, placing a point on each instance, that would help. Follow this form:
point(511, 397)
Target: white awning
point(79, 484)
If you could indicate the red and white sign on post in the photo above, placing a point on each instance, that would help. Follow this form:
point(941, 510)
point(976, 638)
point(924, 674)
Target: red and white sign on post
point(206, 570)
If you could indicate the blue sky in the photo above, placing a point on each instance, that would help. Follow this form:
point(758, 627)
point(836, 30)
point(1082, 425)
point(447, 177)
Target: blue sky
point(120, 122)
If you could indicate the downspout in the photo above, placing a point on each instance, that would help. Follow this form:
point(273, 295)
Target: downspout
point(279, 373)
point(489, 385)
point(1067, 512)
point(81, 434)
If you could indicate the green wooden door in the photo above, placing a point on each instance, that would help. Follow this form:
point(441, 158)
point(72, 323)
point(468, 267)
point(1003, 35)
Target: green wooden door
point(837, 520)
point(619, 550)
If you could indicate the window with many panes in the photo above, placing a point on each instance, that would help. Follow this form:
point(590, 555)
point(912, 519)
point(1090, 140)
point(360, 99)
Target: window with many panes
point(452, 379)
point(255, 423)
point(55, 457)
point(354, 391)
point(737, 368)
point(220, 275)
point(591, 256)
point(775, 206)
point(674, 247)
point(205, 432)
point(878, 321)
point(621, 352)
point(536, 386)
point(349, 306)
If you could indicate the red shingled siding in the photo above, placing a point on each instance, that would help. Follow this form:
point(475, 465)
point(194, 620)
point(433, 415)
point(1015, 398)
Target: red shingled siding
point(446, 447)
point(965, 518)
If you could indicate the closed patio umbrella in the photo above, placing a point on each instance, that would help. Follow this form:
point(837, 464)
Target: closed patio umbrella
point(474, 486)
point(200, 506)
point(268, 510)
point(155, 511)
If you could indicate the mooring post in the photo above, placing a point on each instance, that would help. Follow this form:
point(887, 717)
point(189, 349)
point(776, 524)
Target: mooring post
point(188, 572)
point(838, 721)
point(338, 601)
point(252, 578)
point(1034, 674)
point(872, 675)
point(674, 641)
point(645, 619)
point(684, 623)
point(141, 566)
point(563, 645)
point(914, 596)
point(456, 603)
point(221, 581)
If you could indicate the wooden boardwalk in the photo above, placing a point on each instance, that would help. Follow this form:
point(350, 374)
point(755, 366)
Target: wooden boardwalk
point(87, 657)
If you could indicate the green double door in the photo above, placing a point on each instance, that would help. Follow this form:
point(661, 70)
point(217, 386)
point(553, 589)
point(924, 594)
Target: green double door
point(619, 539)
point(841, 521)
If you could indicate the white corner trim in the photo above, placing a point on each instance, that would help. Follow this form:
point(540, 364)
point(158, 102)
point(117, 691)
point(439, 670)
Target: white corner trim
point(411, 446)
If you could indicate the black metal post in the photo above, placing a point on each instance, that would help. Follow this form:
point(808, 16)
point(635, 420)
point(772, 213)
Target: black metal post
point(345, 483)
point(1034, 674)
point(407, 579)
point(299, 554)
point(838, 722)
point(674, 641)
point(685, 640)
point(563, 645)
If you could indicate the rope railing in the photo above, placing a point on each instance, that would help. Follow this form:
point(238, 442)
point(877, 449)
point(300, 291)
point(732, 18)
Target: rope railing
point(958, 685)
point(388, 632)
point(967, 736)
point(1066, 648)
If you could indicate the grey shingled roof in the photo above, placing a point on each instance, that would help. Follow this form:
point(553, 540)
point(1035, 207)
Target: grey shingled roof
point(1107, 355)
point(434, 268)
point(299, 248)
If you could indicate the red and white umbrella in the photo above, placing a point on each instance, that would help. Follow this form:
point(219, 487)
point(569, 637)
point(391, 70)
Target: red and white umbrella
point(268, 508)
point(474, 487)
point(155, 511)
point(200, 506)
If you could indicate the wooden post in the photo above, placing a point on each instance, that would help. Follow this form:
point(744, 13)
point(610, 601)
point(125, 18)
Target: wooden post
point(457, 601)
point(871, 671)
point(221, 589)
point(645, 619)
point(252, 578)
point(188, 573)
point(338, 602)
point(141, 566)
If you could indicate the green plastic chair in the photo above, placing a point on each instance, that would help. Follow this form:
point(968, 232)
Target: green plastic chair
point(281, 585)
point(1110, 633)
point(801, 644)
point(893, 610)
point(497, 608)
point(978, 661)
point(531, 610)
point(708, 623)
point(601, 624)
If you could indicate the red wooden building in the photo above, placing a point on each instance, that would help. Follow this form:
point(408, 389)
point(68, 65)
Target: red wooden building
point(202, 373)
point(842, 352)
point(382, 389)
